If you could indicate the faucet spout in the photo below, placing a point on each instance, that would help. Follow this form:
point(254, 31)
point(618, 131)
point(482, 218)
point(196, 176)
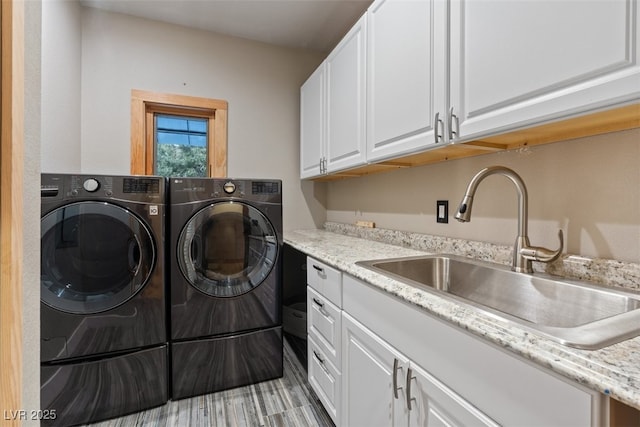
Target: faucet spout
point(464, 210)
point(523, 252)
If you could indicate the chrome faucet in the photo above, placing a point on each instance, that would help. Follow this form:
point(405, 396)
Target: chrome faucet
point(523, 252)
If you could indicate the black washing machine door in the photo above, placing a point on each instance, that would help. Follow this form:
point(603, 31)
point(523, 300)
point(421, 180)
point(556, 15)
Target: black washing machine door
point(94, 257)
point(227, 249)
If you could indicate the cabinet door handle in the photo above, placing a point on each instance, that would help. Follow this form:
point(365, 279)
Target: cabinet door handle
point(323, 165)
point(453, 120)
point(409, 378)
point(321, 361)
point(436, 128)
point(318, 302)
point(319, 269)
point(395, 378)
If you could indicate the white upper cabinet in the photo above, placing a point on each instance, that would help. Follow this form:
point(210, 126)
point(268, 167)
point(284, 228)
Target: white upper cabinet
point(406, 76)
point(312, 112)
point(346, 78)
point(332, 109)
point(518, 63)
point(434, 72)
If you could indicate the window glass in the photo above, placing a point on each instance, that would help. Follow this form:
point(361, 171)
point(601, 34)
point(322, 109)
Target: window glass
point(181, 146)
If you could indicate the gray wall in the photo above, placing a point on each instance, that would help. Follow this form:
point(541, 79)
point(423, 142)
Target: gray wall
point(31, 216)
point(119, 53)
point(61, 48)
point(589, 187)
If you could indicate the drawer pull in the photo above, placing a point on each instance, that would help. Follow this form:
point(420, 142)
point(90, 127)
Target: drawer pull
point(321, 361)
point(318, 302)
point(395, 378)
point(320, 269)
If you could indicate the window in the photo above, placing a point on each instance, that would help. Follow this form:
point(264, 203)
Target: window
point(176, 135)
point(180, 145)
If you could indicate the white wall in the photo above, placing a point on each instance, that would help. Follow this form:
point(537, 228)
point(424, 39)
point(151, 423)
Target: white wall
point(261, 83)
point(589, 187)
point(61, 48)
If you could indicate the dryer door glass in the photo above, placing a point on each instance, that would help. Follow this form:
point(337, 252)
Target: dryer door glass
point(94, 256)
point(227, 249)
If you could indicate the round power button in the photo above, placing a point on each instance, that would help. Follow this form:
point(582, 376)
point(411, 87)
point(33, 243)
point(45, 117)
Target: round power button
point(229, 187)
point(91, 185)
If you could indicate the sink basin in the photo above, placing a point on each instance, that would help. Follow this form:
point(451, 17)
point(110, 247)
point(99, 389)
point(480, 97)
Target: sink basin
point(572, 313)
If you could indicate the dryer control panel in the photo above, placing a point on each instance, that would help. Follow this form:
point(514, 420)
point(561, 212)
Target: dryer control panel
point(265, 187)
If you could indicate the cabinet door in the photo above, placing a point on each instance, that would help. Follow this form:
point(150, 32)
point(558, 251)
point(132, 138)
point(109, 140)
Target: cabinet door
point(312, 112)
point(372, 379)
point(346, 144)
point(433, 404)
point(519, 63)
point(406, 75)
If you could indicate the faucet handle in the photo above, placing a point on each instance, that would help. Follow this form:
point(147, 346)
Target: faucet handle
point(536, 253)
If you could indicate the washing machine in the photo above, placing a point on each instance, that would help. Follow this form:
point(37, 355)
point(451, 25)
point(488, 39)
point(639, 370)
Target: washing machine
point(225, 283)
point(104, 347)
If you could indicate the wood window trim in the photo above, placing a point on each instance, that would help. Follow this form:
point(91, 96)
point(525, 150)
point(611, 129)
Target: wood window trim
point(143, 107)
point(11, 207)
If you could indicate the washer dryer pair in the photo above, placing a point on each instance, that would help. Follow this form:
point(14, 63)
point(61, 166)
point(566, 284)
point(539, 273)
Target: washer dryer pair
point(103, 312)
point(225, 283)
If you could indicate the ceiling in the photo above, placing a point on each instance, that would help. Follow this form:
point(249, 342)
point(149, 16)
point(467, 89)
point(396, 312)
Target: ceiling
point(308, 24)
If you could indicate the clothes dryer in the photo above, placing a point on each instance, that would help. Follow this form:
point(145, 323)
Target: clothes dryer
point(103, 342)
point(225, 262)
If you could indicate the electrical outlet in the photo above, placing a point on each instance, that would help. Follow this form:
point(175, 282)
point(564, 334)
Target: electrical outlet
point(442, 211)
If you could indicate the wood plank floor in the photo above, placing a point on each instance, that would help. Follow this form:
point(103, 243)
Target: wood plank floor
point(285, 402)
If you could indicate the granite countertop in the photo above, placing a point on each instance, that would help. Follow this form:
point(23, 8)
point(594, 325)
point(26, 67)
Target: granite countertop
point(613, 370)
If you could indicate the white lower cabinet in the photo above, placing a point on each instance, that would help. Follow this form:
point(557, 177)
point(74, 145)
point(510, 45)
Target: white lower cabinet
point(377, 361)
point(433, 404)
point(455, 379)
point(382, 387)
point(324, 317)
point(325, 379)
point(372, 389)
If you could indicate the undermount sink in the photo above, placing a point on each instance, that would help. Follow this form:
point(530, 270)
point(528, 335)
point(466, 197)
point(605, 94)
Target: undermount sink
point(572, 313)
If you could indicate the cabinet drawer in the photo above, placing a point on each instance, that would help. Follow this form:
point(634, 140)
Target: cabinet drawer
point(324, 320)
point(325, 280)
point(325, 380)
